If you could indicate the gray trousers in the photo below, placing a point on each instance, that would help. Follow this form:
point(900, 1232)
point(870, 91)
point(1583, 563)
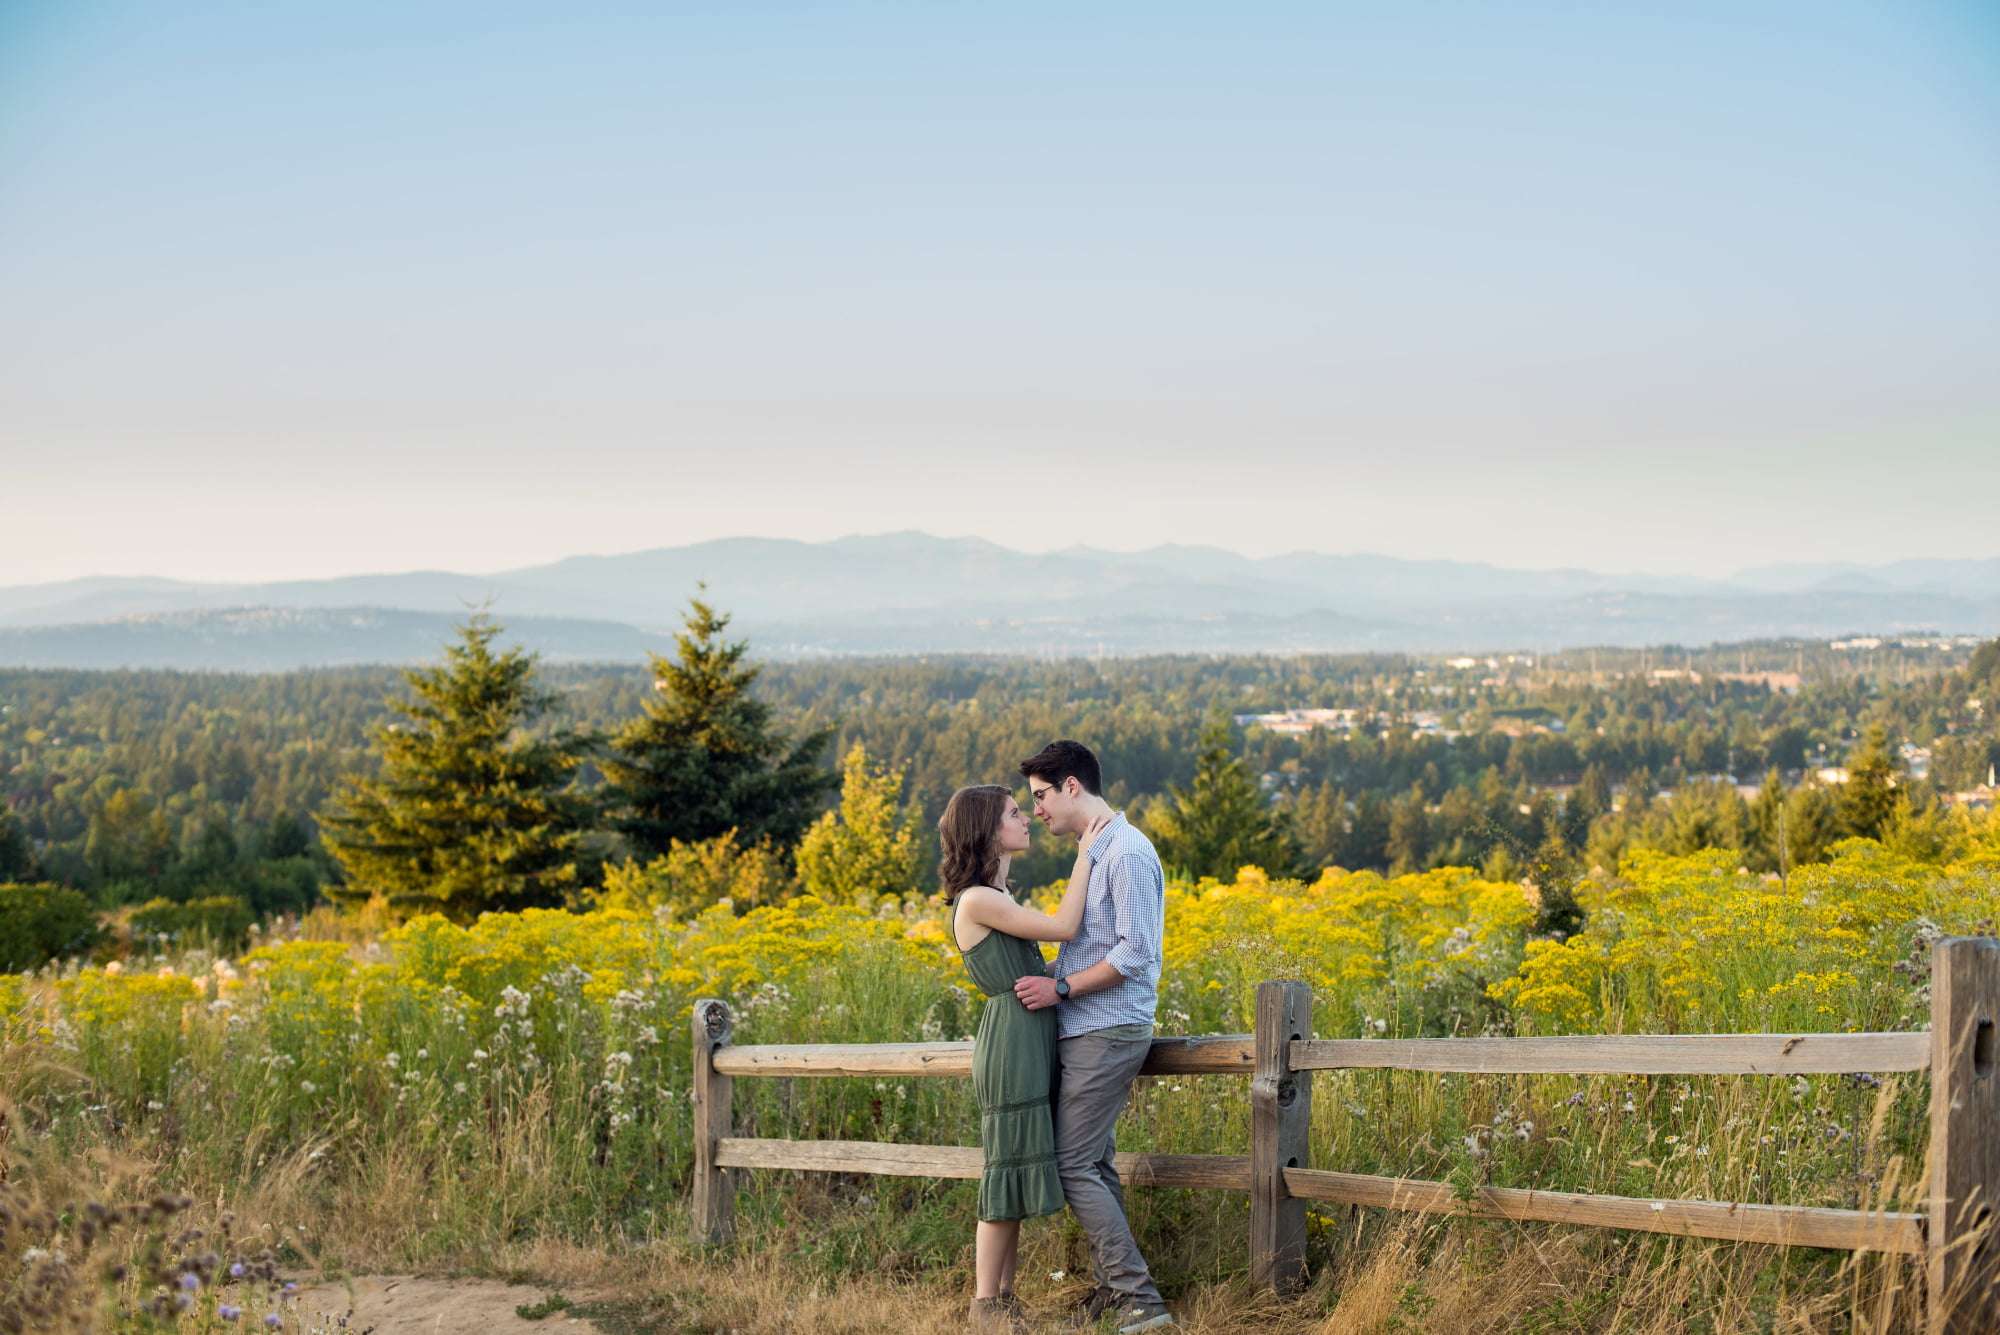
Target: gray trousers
point(1096, 1080)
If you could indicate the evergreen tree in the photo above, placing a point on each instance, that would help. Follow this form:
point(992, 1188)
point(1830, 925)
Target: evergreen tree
point(703, 759)
point(1319, 816)
point(468, 813)
point(1367, 839)
point(1869, 795)
point(17, 857)
point(130, 846)
point(1766, 827)
point(1704, 813)
point(1554, 873)
point(1222, 822)
point(1812, 824)
point(868, 849)
point(1590, 799)
point(286, 837)
point(1409, 844)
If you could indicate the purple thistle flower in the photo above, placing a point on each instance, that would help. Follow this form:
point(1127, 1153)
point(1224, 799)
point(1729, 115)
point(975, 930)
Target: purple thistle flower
point(236, 1271)
point(191, 1281)
point(227, 1312)
point(273, 1320)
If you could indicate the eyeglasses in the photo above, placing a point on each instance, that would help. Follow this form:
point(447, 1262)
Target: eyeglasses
point(1039, 793)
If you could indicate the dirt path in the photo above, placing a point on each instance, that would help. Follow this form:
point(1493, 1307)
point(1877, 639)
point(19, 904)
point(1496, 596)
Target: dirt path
point(404, 1305)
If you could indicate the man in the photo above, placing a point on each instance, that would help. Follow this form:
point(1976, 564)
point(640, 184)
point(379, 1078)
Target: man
point(1104, 985)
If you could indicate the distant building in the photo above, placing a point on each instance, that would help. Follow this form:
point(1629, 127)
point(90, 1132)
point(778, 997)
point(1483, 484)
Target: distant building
point(1916, 759)
point(1980, 797)
point(1296, 722)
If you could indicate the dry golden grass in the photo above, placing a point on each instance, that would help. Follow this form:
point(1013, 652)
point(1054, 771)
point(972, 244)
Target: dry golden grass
point(1376, 1272)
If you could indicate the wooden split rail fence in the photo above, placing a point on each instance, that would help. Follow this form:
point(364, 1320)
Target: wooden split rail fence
point(1961, 1259)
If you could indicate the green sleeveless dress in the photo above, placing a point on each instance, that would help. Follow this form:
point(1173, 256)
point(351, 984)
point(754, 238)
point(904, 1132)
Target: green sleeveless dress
point(1014, 1076)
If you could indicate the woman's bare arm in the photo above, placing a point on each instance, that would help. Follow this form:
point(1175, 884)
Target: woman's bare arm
point(990, 908)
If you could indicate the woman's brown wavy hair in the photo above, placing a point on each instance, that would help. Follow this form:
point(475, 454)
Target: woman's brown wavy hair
point(969, 832)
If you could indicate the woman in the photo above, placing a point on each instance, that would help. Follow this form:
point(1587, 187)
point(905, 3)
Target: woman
point(1014, 1054)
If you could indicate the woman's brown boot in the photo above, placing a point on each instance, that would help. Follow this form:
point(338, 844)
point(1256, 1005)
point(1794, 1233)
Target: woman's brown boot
point(999, 1316)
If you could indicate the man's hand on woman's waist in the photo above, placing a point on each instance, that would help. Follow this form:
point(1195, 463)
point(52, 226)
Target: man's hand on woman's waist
point(1037, 991)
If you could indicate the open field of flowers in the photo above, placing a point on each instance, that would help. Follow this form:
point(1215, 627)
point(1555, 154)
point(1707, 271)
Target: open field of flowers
point(438, 1095)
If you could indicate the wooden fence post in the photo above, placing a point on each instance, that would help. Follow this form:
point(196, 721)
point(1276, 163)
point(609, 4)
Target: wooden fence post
point(1959, 1250)
point(714, 1116)
point(1280, 1116)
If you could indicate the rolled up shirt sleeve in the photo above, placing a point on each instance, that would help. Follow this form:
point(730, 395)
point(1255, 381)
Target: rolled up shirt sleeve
point(1139, 913)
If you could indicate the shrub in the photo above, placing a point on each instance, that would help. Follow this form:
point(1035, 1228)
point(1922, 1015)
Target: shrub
point(39, 923)
point(222, 920)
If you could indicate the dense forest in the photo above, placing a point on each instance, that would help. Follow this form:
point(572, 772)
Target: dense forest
point(135, 784)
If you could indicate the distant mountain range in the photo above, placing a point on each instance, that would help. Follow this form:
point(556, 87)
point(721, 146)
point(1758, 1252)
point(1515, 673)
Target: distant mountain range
point(913, 593)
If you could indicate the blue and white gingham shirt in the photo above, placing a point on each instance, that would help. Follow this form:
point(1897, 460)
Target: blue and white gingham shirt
point(1124, 921)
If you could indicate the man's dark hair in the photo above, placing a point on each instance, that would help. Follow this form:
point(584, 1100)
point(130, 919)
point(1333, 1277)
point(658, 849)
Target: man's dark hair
point(1062, 760)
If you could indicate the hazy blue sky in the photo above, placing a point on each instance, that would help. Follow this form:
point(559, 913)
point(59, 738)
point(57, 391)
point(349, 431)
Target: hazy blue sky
point(300, 289)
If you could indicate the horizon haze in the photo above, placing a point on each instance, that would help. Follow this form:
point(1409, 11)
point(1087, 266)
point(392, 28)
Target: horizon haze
point(909, 592)
point(298, 291)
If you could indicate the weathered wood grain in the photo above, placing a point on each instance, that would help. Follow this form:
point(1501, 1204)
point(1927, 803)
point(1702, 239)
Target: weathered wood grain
point(1216, 1054)
point(854, 1156)
point(1219, 1054)
point(1630, 1054)
point(1963, 1257)
point(1225, 1172)
point(1280, 1118)
point(1789, 1225)
point(714, 1117)
point(832, 1059)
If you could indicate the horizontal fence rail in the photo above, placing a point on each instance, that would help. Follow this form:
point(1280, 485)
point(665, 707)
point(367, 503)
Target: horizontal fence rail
point(1961, 1050)
point(1225, 1054)
point(1635, 1054)
point(1219, 1054)
point(1787, 1225)
point(1215, 1172)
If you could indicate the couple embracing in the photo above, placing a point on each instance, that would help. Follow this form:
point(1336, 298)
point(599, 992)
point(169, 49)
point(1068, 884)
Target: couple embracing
point(1058, 1044)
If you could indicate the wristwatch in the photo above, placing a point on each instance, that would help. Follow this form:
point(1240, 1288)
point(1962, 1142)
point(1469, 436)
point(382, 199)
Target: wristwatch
point(1062, 989)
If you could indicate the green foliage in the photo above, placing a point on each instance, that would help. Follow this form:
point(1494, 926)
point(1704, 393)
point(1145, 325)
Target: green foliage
point(871, 848)
point(1868, 798)
point(1222, 821)
point(217, 866)
point(554, 1302)
point(217, 921)
point(17, 859)
point(703, 757)
point(239, 750)
point(1705, 813)
point(1320, 818)
point(514, 1067)
point(1555, 876)
point(39, 923)
point(689, 878)
point(469, 813)
point(131, 844)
